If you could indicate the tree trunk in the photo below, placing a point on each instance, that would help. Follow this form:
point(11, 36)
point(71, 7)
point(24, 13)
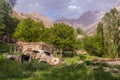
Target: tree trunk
point(61, 53)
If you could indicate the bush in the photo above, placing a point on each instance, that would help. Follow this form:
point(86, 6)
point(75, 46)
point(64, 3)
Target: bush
point(35, 65)
point(10, 69)
point(77, 72)
point(4, 48)
point(82, 57)
point(14, 70)
point(68, 54)
point(94, 45)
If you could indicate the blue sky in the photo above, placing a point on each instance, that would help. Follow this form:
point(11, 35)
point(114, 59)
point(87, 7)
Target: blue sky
point(63, 8)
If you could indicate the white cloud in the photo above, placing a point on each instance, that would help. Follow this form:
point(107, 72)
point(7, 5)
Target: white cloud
point(72, 7)
point(75, 9)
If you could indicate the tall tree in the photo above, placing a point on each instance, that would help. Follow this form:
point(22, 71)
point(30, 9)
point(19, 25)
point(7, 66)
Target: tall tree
point(11, 23)
point(7, 21)
point(109, 29)
point(94, 45)
point(63, 37)
point(5, 9)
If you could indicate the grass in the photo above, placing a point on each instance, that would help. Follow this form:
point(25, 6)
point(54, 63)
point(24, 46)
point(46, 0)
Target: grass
point(76, 59)
point(11, 70)
point(89, 58)
point(72, 60)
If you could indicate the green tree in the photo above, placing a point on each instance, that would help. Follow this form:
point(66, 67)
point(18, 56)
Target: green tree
point(7, 21)
point(63, 37)
point(5, 9)
point(47, 36)
point(11, 23)
point(29, 30)
point(94, 45)
point(80, 31)
point(109, 30)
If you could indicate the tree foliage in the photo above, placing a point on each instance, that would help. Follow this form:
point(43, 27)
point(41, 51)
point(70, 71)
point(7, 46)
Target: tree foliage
point(94, 45)
point(5, 9)
point(80, 31)
point(107, 39)
point(7, 21)
point(109, 30)
point(29, 30)
point(63, 37)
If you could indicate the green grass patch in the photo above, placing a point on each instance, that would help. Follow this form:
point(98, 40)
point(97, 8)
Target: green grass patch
point(89, 57)
point(72, 60)
point(4, 48)
point(77, 58)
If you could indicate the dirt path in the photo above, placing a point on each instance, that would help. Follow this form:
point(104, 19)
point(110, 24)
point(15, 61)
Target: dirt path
point(108, 61)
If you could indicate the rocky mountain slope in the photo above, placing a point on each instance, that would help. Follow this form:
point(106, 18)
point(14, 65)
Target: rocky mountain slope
point(86, 21)
point(35, 16)
point(117, 5)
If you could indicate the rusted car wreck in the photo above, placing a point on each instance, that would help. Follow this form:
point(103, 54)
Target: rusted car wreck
point(39, 51)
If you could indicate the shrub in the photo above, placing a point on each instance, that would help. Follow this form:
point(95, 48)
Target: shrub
point(35, 65)
point(10, 69)
point(82, 57)
point(68, 54)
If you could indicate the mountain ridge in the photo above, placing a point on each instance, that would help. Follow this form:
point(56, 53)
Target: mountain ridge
point(35, 16)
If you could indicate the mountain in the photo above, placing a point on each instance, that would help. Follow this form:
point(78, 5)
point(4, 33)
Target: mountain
point(92, 28)
point(86, 21)
point(117, 5)
point(87, 18)
point(35, 16)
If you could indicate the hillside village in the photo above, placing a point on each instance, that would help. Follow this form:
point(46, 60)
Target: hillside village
point(35, 47)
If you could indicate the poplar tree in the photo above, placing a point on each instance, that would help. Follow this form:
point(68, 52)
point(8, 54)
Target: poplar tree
point(109, 30)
